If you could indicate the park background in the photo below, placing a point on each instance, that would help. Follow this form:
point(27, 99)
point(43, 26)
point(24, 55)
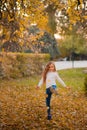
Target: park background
point(31, 34)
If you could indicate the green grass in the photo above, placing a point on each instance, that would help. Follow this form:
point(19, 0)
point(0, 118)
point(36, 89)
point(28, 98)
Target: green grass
point(73, 78)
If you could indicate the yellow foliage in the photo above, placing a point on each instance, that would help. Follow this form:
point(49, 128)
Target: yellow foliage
point(70, 27)
point(34, 12)
point(74, 13)
point(85, 17)
point(23, 106)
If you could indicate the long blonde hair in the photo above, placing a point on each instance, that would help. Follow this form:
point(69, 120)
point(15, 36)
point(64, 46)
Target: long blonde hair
point(47, 69)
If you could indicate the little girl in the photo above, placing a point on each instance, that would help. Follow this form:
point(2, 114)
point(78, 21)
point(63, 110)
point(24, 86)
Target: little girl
point(49, 77)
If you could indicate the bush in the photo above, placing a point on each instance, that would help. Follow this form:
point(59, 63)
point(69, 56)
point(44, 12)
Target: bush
point(85, 85)
point(15, 65)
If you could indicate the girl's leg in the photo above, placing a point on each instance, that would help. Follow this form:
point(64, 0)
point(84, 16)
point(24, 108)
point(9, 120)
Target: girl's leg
point(48, 99)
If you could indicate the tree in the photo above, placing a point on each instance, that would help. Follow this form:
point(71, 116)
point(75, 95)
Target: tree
point(17, 15)
point(73, 43)
point(39, 11)
point(11, 46)
point(41, 42)
point(50, 45)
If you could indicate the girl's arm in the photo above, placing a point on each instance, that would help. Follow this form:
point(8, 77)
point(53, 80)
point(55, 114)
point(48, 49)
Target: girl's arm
point(40, 83)
point(60, 80)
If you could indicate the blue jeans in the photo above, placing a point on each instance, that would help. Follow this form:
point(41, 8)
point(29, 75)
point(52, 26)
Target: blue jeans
point(48, 99)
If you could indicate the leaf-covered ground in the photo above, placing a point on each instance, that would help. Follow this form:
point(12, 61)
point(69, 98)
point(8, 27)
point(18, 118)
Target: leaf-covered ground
point(22, 106)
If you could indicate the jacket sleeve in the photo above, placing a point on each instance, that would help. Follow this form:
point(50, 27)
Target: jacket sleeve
point(40, 82)
point(60, 80)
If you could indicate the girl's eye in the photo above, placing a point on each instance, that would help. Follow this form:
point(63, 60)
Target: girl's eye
point(51, 66)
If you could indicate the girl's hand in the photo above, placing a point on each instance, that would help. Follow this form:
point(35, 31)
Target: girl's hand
point(68, 87)
point(37, 87)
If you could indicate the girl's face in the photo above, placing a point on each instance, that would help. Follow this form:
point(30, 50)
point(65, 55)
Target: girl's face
point(51, 67)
